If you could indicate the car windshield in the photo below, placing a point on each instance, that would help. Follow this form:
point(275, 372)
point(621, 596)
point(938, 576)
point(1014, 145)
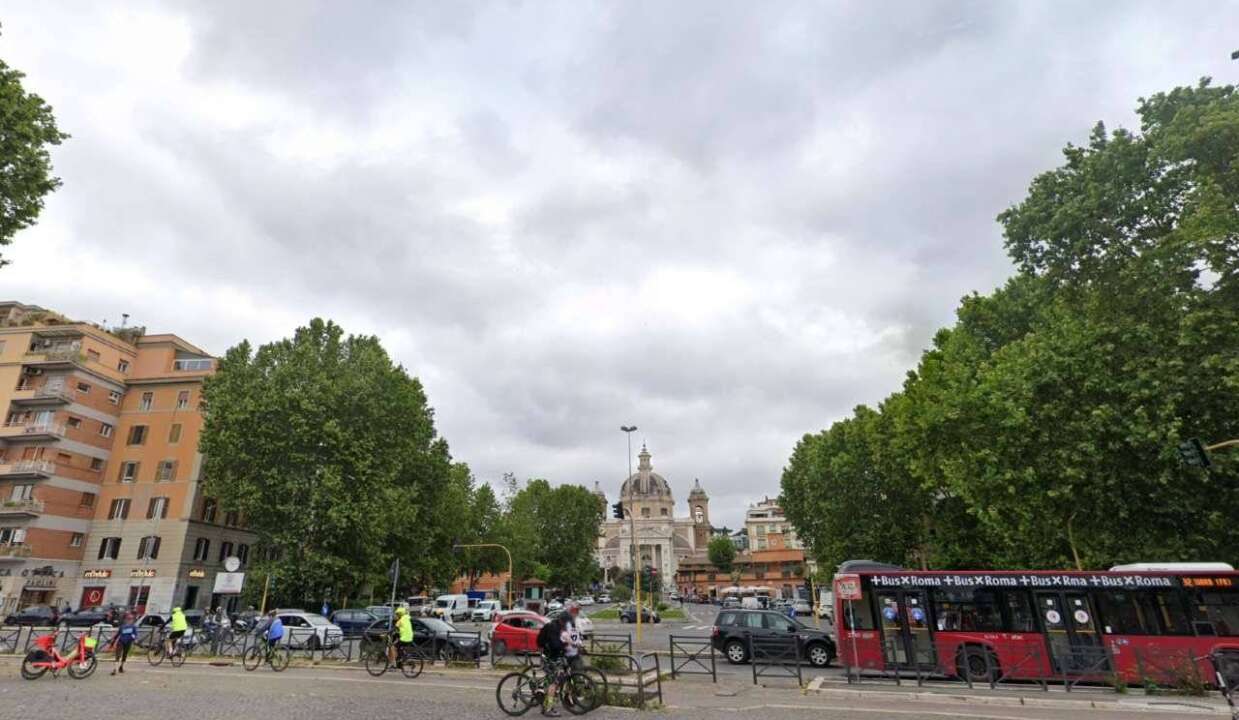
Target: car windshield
point(316, 619)
point(437, 625)
point(441, 603)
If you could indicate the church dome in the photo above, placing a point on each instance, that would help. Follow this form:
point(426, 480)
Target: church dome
point(645, 483)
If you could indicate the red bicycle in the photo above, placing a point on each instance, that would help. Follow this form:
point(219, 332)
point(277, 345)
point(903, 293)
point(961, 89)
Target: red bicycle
point(46, 657)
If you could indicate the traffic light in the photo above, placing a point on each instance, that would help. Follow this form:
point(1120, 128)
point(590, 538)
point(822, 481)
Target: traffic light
point(617, 510)
point(1194, 453)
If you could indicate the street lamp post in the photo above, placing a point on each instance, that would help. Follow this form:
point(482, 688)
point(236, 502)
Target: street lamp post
point(511, 577)
point(632, 529)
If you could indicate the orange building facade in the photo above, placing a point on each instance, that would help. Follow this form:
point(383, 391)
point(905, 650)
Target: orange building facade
point(781, 571)
point(99, 468)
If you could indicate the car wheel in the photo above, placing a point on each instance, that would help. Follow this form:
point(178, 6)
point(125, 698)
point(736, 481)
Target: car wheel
point(977, 664)
point(819, 655)
point(736, 652)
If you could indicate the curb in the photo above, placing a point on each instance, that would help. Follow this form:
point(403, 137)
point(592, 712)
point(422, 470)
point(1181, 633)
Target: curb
point(1034, 702)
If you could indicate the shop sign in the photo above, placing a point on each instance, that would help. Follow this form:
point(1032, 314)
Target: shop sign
point(142, 573)
point(197, 573)
point(97, 574)
point(41, 581)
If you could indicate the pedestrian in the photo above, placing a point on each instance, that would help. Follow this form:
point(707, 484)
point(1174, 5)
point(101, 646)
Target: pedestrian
point(791, 610)
point(125, 636)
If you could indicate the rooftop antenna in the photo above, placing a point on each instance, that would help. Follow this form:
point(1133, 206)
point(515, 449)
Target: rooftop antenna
point(124, 319)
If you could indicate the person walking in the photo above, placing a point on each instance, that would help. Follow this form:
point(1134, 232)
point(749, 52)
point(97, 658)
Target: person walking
point(124, 639)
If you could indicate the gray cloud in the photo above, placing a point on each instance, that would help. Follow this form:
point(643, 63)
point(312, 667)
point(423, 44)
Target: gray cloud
point(728, 223)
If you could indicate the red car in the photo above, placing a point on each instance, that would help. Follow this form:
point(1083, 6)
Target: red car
point(516, 632)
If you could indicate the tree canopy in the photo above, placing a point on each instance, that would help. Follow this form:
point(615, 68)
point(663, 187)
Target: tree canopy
point(1040, 430)
point(722, 552)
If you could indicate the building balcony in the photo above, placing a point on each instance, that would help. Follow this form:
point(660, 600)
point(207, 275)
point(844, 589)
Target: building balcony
point(28, 469)
point(55, 357)
point(28, 507)
point(14, 552)
point(43, 395)
point(25, 431)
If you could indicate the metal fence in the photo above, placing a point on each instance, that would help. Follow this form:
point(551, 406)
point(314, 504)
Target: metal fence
point(611, 643)
point(776, 655)
point(636, 683)
point(693, 655)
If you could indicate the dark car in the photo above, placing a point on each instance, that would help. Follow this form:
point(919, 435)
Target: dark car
point(648, 615)
point(436, 639)
point(89, 617)
point(732, 629)
point(40, 615)
point(353, 622)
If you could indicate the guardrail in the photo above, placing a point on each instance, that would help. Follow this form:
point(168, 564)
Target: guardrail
point(636, 675)
point(613, 643)
point(696, 656)
point(776, 655)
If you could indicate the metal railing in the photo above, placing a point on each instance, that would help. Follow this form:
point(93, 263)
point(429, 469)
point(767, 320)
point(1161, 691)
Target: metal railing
point(614, 643)
point(23, 506)
point(28, 467)
point(31, 429)
point(693, 655)
point(14, 550)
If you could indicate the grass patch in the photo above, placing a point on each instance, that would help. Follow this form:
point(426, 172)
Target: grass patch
point(673, 614)
point(608, 614)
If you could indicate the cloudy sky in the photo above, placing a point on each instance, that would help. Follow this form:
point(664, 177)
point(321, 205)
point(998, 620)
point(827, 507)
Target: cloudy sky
point(726, 223)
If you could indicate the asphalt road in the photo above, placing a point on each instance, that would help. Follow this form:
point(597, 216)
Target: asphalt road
point(204, 692)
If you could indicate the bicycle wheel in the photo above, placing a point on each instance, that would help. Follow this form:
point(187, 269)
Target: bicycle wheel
point(376, 662)
point(178, 656)
point(601, 684)
point(252, 658)
point(516, 693)
point(79, 671)
point(411, 665)
point(154, 655)
point(577, 694)
point(280, 658)
point(29, 671)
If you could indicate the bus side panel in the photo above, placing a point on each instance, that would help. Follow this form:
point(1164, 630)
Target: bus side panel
point(1020, 656)
point(1167, 660)
point(862, 649)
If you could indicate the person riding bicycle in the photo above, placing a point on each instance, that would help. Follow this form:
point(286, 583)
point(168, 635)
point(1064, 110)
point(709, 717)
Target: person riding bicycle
point(551, 643)
point(178, 626)
point(571, 638)
point(274, 631)
point(402, 635)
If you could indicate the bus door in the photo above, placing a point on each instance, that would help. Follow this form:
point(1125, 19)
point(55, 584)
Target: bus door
point(906, 640)
point(1071, 633)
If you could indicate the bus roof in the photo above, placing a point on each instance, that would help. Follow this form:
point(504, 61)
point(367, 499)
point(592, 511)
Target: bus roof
point(1198, 567)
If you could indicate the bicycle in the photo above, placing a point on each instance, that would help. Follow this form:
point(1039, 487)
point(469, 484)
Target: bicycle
point(517, 692)
point(277, 656)
point(45, 657)
point(158, 652)
point(408, 659)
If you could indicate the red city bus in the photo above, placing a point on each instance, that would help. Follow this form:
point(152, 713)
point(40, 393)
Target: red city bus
point(1136, 622)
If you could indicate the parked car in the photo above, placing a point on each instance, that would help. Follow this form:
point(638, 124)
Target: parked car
point(451, 607)
point(648, 614)
point(89, 617)
point(585, 600)
point(584, 625)
point(732, 629)
point(604, 598)
point(419, 605)
point(380, 612)
point(516, 632)
point(485, 610)
point(310, 631)
point(436, 639)
point(803, 608)
point(554, 605)
point(353, 622)
point(40, 615)
point(730, 602)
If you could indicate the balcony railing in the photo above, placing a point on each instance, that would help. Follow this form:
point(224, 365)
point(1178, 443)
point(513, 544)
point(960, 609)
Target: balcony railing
point(9, 550)
point(52, 354)
point(192, 365)
point(26, 506)
point(44, 393)
point(28, 468)
point(16, 429)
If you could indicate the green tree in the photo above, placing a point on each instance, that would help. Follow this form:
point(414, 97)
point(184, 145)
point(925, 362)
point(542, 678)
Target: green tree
point(722, 552)
point(330, 452)
point(552, 532)
point(27, 130)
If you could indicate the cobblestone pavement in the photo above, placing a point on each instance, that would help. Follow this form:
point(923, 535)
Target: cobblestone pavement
point(204, 692)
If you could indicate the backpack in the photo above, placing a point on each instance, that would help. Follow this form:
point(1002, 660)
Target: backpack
point(548, 636)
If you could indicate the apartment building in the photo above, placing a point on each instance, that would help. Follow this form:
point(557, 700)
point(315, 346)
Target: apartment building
point(768, 529)
point(100, 498)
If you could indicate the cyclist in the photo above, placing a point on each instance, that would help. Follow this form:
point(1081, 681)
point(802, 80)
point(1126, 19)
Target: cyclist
point(551, 643)
point(571, 638)
point(274, 631)
point(179, 625)
point(403, 636)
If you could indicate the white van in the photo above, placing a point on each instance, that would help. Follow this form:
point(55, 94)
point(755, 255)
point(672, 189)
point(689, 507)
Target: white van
point(751, 603)
point(452, 607)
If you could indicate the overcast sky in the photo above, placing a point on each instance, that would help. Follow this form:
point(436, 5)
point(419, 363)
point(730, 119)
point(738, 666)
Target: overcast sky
point(726, 223)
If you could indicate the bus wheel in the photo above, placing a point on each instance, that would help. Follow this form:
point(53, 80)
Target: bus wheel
point(977, 664)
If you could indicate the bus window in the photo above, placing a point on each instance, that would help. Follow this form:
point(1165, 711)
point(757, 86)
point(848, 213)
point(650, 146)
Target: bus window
point(969, 610)
point(1168, 606)
point(1121, 614)
point(1216, 613)
point(857, 615)
point(1020, 616)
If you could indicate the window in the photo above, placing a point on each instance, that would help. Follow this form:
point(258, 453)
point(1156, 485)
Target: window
point(780, 624)
point(64, 458)
point(1215, 613)
point(74, 422)
point(174, 434)
point(92, 355)
point(137, 435)
point(225, 550)
point(243, 553)
point(21, 492)
point(182, 365)
point(157, 508)
point(209, 507)
point(128, 472)
point(122, 366)
point(148, 548)
point(119, 509)
point(88, 500)
point(114, 397)
point(167, 471)
point(857, 615)
point(105, 430)
point(109, 548)
point(182, 400)
point(726, 619)
point(968, 610)
point(230, 518)
point(202, 550)
point(662, 512)
point(1020, 617)
point(83, 388)
point(76, 540)
point(645, 512)
point(148, 400)
point(96, 464)
point(12, 536)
